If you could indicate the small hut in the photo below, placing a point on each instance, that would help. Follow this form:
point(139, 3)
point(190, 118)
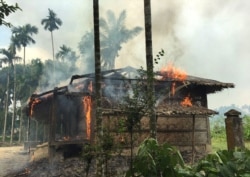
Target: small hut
point(181, 109)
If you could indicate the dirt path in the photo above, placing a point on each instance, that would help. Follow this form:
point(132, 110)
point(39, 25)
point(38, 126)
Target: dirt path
point(12, 159)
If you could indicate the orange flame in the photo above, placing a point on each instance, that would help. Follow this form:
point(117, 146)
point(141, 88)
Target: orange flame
point(87, 109)
point(33, 103)
point(66, 138)
point(186, 101)
point(174, 73)
point(173, 88)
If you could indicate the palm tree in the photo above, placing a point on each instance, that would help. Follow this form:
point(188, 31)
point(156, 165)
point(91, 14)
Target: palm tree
point(99, 167)
point(150, 67)
point(63, 53)
point(66, 53)
point(9, 57)
point(22, 36)
point(114, 34)
point(51, 23)
point(6, 10)
point(86, 46)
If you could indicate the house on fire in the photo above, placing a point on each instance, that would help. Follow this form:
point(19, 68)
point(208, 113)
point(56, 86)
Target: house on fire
point(181, 109)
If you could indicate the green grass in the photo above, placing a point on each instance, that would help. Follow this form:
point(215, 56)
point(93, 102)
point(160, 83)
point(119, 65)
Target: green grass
point(220, 143)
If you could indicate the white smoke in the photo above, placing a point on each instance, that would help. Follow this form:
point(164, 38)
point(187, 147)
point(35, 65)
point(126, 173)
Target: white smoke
point(206, 38)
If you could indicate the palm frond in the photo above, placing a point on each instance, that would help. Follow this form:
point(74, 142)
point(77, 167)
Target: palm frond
point(51, 23)
point(9, 57)
point(121, 19)
point(104, 25)
point(111, 19)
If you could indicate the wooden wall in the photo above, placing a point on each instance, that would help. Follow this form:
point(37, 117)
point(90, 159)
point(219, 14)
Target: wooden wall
point(193, 140)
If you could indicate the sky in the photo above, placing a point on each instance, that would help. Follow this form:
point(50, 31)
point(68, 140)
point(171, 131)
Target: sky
point(208, 39)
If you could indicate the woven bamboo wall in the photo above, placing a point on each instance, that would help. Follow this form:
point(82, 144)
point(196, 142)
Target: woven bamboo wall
point(179, 131)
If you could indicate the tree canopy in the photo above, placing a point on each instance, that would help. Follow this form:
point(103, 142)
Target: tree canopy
point(51, 23)
point(6, 10)
point(113, 33)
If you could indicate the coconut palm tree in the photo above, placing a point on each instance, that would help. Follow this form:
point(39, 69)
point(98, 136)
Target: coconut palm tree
point(66, 53)
point(22, 36)
point(113, 34)
point(51, 23)
point(63, 53)
point(86, 47)
point(9, 57)
point(149, 62)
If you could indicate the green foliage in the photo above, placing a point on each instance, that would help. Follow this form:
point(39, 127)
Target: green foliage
point(107, 142)
point(225, 164)
point(88, 154)
point(246, 127)
point(66, 54)
point(90, 151)
point(26, 84)
point(51, 23)
point(218, 131)
point(154, 160)
point(22, 35)
point(135, 104)
point(6, 10)
point(158, 56)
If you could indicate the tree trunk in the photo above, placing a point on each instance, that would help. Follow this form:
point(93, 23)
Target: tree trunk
point(24, 63)
point(52, 42)
point(53, 56)
point(99, 128)
point(150, 67)
point(14, 107)
point(20, 127)
point(6, 105)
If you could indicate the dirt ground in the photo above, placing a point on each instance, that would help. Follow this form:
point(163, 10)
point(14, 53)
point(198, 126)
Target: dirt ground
point(15, 162)
point(13, 159)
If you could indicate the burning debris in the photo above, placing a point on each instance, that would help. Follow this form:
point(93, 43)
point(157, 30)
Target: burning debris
point(186, 101)
point(87, 107)
point(171, 72)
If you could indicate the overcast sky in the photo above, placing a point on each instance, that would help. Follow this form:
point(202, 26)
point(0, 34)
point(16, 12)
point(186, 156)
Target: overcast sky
point(209, 39)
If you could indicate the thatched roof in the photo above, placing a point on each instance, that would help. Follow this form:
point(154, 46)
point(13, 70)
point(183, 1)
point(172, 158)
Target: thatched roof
point(130, 73)
point(170, 110)
point(177, 109)
point(212, 86)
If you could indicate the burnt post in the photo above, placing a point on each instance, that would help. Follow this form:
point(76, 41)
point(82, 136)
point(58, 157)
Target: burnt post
point(234, 130)
point(52, 127)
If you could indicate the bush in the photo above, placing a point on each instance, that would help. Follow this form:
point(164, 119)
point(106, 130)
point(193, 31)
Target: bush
point(154, 160)
point(246, 127)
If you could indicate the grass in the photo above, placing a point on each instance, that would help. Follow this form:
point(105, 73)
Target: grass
point(220, 143)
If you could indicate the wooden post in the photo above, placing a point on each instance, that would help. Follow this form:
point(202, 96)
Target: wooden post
point(52, 127)
point(234, 130)
point(193, 139)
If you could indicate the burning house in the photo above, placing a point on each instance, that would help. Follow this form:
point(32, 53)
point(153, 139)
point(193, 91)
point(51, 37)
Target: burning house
point(181, 109)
